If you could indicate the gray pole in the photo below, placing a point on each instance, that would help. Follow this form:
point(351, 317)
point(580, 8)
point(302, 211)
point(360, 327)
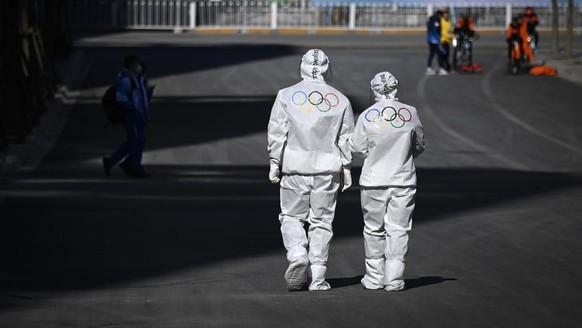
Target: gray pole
point(555, 27)
point(570, 29)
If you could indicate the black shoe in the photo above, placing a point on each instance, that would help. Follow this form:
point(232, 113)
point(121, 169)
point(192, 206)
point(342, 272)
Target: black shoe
point(125, 167)
point(141, 174)
point(106, 166)
point(133, 173)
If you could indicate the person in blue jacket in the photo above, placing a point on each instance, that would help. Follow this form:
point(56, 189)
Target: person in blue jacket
point(132, 95)
point(433, 37)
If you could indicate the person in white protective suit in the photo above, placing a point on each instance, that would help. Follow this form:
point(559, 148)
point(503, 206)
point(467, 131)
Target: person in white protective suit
point(308, 134)
point(388, 135)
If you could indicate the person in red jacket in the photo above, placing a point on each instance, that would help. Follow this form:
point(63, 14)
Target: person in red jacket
point(466, 31)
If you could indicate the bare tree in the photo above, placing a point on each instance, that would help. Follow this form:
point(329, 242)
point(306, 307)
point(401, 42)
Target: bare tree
point(555, 27)
point(570, 29)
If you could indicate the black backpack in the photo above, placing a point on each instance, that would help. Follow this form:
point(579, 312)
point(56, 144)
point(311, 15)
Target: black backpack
point(116, 114)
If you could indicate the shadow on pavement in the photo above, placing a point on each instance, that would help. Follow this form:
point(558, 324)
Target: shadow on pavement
point(174, 122)
point(425, 281)
point(179, 60)
point(344, 282)
point(410, 283)
point(75, 229)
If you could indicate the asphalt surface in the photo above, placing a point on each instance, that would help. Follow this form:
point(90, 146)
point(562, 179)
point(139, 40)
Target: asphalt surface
point(496, 235)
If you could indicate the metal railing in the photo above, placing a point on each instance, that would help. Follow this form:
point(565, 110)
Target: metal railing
point(266, 14)
point(383, 16)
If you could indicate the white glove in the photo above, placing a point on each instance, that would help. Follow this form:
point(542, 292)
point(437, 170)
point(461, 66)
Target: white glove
point(274, 173)
point(347, 179)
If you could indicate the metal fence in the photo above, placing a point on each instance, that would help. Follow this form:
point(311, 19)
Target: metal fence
point(304, 14)
point(131, 14)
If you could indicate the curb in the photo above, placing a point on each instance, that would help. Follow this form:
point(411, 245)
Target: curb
point(568, 69)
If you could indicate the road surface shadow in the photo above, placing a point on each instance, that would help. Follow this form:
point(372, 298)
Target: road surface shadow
point(410, 283)
point(70, 228)
point(425, 281)
point(169, 60)
point(344, 282)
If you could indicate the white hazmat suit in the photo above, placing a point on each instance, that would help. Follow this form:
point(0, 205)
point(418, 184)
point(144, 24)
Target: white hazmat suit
point(308, 134)
point(388, 135)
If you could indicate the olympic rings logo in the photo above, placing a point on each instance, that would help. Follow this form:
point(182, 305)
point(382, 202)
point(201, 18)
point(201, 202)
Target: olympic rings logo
point(315, 100)
point(388, 116)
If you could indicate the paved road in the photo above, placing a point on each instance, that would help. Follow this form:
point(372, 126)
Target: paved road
point(496, 235)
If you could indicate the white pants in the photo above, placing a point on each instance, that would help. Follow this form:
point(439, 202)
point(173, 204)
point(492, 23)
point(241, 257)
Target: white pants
point(312, 199)
point(387, 220)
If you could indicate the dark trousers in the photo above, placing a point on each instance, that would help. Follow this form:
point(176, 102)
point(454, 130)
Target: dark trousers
point(433, 49)
point(132, 149)
point(444, 50)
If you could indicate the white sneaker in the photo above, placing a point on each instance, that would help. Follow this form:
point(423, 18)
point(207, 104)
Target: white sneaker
point(442, 71)
point(429, 71)
point(394, 289)
point(296, 275)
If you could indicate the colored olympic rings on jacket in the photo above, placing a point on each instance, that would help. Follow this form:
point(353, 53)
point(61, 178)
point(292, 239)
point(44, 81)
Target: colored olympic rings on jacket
point(315, 100)
point(388, 116)
point(375, 119)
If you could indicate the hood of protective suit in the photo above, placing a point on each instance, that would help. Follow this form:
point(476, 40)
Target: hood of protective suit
point(384, 86)
point(314, 64)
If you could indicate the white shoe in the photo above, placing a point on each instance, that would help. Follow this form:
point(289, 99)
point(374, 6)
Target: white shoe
point(317, 275)
point(394, 289)
point(321, 286)
point(370, 285)
point(296, 275)
point(429, 71)
point(442, 71)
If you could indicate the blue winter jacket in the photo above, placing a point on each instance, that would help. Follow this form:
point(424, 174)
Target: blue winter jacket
point(433, 30)
point(132, 95)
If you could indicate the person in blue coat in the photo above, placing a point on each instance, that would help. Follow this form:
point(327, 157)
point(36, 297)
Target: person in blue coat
point(433, 37)
point(133, 96)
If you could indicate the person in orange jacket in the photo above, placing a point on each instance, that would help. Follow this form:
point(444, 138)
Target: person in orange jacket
point(517, 32)
point(525, 45)
point(514, 34)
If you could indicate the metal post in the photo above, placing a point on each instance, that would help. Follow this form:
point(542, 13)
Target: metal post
point(274, 15)
point(244, 15)
point(429, 10)
point(352, 22)
point(570, 30)
point(507, 14)
point(193, 15)
point(178, 14)
point(177, 18)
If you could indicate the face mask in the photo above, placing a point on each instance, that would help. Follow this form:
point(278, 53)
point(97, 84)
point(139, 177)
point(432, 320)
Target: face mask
point(138, 69)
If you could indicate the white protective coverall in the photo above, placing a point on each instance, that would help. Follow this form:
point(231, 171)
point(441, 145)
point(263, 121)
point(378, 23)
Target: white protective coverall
point(308, 134)
point(388, 135)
